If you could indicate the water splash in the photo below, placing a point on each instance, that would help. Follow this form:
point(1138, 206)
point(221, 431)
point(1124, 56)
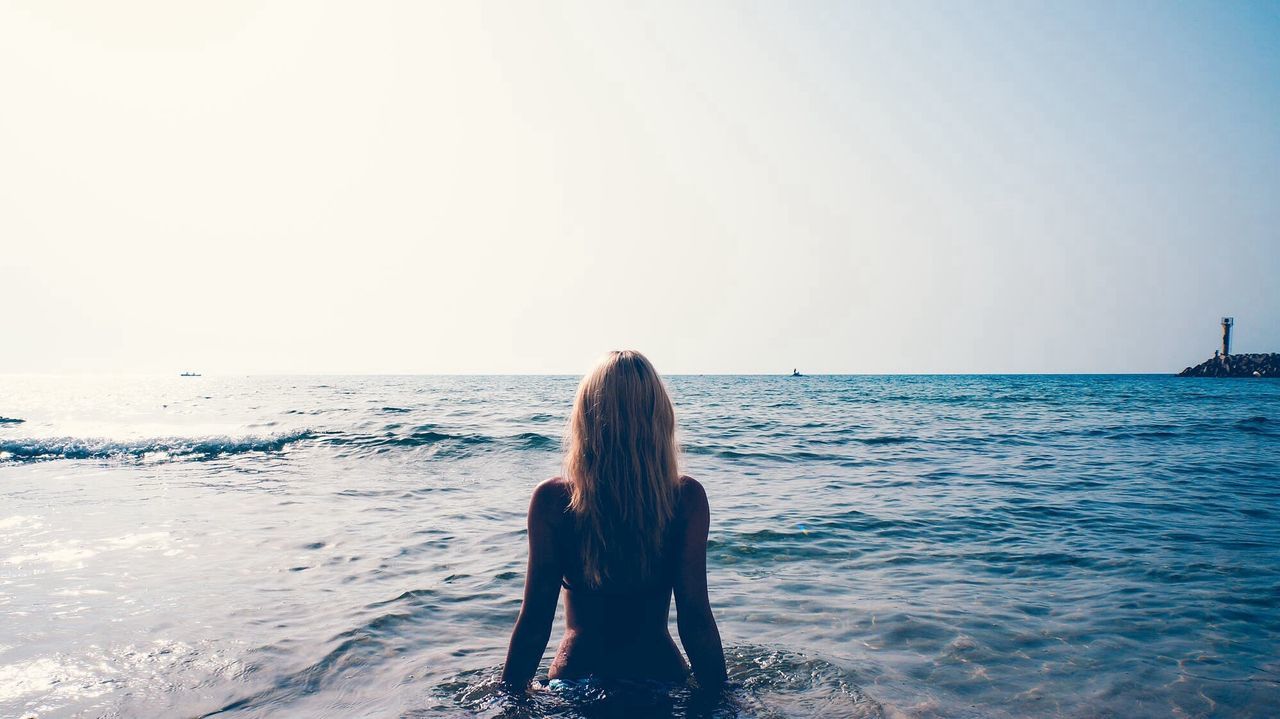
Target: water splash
point(764, 683)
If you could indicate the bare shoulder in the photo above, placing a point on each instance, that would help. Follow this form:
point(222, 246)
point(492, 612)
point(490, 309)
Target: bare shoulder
point(690, 487)
point(693, 497)
point(550, 497)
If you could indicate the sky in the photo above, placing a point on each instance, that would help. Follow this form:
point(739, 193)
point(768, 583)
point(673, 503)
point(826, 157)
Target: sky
point(736, 187)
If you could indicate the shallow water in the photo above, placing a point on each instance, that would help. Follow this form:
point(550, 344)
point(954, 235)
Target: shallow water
point(1027, 546)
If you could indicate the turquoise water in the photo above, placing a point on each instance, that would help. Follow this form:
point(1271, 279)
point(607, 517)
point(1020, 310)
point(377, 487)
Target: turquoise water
point(1024, 546)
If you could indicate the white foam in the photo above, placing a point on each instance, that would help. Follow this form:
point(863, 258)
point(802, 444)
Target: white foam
point(78, 592)
point(19, 520)
point(45, 675)
point(149, 540)
point(57, 555)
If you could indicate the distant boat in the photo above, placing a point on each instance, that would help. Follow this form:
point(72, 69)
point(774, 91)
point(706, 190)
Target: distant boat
point(189, 374)
point(796, 373)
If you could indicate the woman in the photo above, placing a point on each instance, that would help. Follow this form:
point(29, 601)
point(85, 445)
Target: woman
point(620, 532)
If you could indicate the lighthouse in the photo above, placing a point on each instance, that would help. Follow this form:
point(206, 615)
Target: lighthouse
point(1227, 322)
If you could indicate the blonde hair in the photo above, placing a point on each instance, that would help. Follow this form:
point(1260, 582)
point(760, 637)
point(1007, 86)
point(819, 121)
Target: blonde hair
point(621, 464)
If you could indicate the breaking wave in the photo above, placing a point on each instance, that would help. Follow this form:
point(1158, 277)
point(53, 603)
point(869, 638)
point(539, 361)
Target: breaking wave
point(43, 449)
point(434, 440)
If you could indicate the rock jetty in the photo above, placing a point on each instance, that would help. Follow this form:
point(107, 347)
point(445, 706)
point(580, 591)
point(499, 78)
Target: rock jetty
point(1254, 365)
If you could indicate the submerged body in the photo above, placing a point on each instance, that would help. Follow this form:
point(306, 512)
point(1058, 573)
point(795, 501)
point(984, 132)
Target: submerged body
point(616, 632)
point(622, 532)
point(619, 632)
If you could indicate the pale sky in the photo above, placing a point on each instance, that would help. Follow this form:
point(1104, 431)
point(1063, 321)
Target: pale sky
point(728, 187)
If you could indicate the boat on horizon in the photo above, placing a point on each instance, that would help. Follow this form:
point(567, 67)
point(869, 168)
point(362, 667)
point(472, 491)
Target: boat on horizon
point(796, 373)
point(189, 374)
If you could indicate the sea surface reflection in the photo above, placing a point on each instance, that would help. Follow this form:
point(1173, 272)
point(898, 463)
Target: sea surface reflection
point(1025, 546)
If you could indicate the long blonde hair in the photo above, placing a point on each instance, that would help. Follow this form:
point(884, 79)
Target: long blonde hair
point(621, 464)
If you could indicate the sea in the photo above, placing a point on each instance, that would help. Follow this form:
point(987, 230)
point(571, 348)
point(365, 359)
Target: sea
point(881, 546)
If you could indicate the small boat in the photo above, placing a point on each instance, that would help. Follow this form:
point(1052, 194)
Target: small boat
point(189, 374)
point(796, 373)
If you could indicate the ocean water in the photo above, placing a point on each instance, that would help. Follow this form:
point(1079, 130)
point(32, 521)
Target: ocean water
point(1023, 546)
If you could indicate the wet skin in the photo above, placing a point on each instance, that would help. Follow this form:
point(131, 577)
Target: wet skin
point(616, 634)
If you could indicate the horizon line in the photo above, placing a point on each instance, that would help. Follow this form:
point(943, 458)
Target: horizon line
point(110, 373)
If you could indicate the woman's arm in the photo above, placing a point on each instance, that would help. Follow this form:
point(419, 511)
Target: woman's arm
point(698, 631)
point(541, 589)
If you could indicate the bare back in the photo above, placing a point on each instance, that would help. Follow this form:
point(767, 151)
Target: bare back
point(617, 632)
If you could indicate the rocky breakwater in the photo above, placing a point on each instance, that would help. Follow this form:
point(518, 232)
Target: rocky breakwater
point(1254, 365)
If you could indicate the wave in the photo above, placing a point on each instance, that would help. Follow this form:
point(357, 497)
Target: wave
point(44, 449)
point(885, 439)
point(1255, 425)
point(434, 440)
point(792, 455)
